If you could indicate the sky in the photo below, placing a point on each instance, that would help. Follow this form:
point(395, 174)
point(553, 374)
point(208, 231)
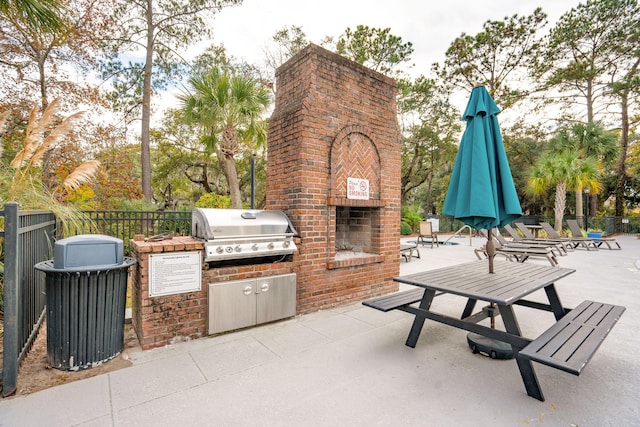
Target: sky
point(429, 25)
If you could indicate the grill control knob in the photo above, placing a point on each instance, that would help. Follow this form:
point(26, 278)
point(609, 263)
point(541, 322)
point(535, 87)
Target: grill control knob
point(254, 247)
point(286, 244)
point(219, 249)
point(229, 249)
point(270, 245)
point(237, 248)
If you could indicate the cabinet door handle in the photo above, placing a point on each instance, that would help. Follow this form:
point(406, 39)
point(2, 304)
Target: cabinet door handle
point(248, 290)
point(264, 287)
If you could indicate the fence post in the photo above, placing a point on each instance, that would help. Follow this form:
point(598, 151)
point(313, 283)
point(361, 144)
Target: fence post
point(11, 303)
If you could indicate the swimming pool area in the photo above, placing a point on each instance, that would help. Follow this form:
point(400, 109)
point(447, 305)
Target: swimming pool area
point(446, 243)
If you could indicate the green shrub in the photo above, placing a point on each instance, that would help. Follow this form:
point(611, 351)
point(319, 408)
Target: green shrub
point(412, 215)
point(131, 205)
point(405, 229)
point(212, 200)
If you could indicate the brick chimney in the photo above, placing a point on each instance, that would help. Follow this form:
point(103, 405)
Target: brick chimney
point(334, 168)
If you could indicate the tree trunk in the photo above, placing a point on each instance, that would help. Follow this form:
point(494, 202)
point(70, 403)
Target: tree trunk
point(579, 207)
point(145, 136)
point(560, 204)
point(621, 170)
point(234, 184)
point(228, 149)
point(589, 101)
point(48, 176)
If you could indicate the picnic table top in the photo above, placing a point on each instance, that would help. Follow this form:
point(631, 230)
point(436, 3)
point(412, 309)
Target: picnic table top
point(509, 283)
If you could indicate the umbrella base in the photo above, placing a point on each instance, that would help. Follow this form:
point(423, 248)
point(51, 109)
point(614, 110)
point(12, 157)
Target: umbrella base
point(489, 347)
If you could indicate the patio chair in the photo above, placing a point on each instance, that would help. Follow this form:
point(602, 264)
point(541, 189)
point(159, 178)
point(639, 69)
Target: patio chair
point(528, 236)
point(558, 247)
point(575, 241)
point(519, 253)
point(407, 251)
point(566, 245)
point(425, 231)
point(512, 232)
point(575, 229)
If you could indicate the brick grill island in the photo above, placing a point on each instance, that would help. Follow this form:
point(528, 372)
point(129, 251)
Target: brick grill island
point(164, 320)
point(333, 120)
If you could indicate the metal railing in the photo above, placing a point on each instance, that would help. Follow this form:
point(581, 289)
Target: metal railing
point(28, 238)
point(608, 224)
point(126, 224)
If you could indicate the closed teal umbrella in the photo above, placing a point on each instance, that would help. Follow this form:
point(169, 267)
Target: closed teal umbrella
point(481, 191)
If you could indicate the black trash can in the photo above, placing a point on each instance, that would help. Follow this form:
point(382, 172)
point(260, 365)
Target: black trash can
point(86, 287)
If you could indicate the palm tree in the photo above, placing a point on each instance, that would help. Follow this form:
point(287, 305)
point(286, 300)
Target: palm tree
point(588, 140)
point(43, 15)
point(229, 109)
point(564, 171)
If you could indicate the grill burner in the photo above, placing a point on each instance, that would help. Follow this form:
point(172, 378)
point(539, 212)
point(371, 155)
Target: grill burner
point(237, 233)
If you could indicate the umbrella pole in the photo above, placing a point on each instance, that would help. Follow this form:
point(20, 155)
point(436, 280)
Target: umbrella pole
point(491, 253)
point(491, 250)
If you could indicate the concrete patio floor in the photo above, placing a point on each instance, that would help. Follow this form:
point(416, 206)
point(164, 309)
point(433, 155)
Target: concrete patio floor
point(349, 367)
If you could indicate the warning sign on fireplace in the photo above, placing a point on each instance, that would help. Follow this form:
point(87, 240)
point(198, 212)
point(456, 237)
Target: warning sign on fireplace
point(357, 189)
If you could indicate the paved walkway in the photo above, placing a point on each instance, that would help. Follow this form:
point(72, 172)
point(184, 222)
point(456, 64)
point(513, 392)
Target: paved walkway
point(349, 367)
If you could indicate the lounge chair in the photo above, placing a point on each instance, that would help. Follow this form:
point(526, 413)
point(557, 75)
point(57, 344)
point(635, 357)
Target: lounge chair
point(519, 253)
point(569, 244)
point(563, 245)
point(558, 247)
point(425, 231)
point(599, 241)
point(512, 232)
point(408, 251)
point(575, 241)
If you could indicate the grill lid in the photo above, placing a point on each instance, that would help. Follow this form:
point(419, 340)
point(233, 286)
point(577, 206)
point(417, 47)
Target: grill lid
point(212, 224)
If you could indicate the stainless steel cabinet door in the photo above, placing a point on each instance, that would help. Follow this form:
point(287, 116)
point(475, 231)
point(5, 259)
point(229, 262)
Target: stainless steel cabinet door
point(232, 305)
point(276, 297)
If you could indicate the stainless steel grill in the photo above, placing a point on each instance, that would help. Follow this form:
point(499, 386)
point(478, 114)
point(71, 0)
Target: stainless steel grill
point(238, 233)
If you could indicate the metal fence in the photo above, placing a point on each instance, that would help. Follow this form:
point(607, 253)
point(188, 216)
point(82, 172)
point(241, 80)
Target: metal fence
point(126, 224)
point(27, 239)
point(608, 224)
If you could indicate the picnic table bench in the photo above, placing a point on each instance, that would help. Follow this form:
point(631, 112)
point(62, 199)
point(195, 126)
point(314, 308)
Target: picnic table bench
point(407, 251)
point(568, 344)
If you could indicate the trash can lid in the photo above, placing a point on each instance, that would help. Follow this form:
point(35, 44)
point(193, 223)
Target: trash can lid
point(49, 267)
point(87, 250)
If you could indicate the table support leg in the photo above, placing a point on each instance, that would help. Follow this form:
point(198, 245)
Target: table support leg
point(418, 321)
point(468, 309)
point(554, 301)
point(527, 373)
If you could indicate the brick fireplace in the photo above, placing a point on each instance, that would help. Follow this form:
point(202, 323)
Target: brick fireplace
point(334, 169)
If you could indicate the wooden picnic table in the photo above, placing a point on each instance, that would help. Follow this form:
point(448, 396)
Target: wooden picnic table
point(567, 345)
